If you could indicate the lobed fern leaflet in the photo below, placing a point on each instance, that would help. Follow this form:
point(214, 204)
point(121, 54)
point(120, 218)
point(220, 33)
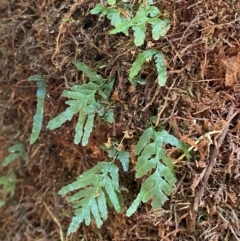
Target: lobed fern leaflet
point(14, 152)
point(82, 102)
point(112, 14)
point(153, 157)
point(122, 156)
point(96, 189)
point(159, 62)
point(111, 2)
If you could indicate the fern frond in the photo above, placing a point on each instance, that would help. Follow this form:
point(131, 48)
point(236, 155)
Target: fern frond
point(146, 14)
point(38, 117)
point(94, 187)
point(159, 62)
point(83, 102)
point(153, 157)
point(8, 182)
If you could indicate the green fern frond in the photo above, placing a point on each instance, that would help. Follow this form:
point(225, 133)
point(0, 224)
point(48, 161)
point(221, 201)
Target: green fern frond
point(153, 157)
point(83, 102)
point(146, 56)
point(38, 117)
point(93, 188)
point(146, 14)
point(8, 182)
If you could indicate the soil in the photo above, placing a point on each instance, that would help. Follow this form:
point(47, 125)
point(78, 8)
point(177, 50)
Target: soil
point(199, 104)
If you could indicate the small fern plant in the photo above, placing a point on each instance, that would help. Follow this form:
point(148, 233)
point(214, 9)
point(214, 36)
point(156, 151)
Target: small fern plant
point(146, 14)
point(82, 101)
point(99, 187)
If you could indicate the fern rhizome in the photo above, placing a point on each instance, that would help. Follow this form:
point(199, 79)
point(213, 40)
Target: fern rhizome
point(98, 189)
